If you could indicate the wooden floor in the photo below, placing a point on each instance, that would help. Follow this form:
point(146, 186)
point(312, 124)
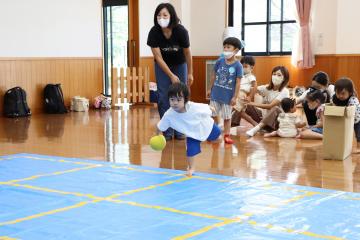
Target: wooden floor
point(123, 135)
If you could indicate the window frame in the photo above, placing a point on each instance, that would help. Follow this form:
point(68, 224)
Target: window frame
point(268, 24)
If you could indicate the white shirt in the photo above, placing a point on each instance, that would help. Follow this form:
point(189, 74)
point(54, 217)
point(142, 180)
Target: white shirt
point(287, 127)
point(196, 122)
point(271, 95)
point(245, 82)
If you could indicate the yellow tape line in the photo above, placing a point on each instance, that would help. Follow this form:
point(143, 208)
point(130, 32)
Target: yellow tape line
point(53, 174)
point(151, 187)
point(203, 230)
point(168, 209)
point(7, 238)
point(53, 190)
point(61, 160)
point(167, 173)
point(224, 220)
point(287, 230)
point(80, 204)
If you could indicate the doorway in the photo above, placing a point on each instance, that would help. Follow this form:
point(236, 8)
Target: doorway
point(121, 37)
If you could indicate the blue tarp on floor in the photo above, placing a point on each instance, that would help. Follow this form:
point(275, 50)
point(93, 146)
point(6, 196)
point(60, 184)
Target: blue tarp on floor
point(47, 197)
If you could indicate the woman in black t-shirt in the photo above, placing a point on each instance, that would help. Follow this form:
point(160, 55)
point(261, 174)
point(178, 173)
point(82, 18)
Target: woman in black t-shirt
point(170, 45)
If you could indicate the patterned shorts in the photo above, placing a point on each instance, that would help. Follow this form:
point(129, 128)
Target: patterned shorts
point(221, 109)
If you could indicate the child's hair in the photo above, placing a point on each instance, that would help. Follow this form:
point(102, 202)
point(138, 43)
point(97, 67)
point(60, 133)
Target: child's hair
point(345, 83)
point(179, 90)
point(248, 60)
point(322, 78)
point(233, 41)
point(286, 75)
point(287, 104)
point(314, 95)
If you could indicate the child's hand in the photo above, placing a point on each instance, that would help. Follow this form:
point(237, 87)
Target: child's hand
point(233, 101)
point(208, 93)
point(212, 108)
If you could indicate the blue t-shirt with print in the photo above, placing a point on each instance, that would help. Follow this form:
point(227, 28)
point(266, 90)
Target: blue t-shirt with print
point(225, 81)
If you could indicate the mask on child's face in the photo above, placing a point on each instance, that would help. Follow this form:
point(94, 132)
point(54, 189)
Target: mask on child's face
point(228, 54)
point(163, 22)
point(247, 70)
point(277, 80)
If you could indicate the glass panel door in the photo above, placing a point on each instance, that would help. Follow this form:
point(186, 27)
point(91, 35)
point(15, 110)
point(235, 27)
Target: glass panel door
point(116, 36)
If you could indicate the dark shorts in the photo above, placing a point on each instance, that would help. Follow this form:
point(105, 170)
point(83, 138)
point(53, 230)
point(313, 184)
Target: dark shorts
point(193, 145)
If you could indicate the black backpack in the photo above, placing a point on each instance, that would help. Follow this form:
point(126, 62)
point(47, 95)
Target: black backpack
point(54, 99)
point(15, 104)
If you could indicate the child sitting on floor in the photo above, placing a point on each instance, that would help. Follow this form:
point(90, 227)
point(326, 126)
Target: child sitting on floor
point(289, 122)
point(315, 100)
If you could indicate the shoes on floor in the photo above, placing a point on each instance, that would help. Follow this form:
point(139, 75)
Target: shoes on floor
point(228, 140)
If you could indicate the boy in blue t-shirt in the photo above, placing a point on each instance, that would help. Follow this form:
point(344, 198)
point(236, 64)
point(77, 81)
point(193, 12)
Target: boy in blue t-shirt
point(225, 84)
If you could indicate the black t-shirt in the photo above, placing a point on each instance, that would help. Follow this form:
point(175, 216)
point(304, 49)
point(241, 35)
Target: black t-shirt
point(171, 49)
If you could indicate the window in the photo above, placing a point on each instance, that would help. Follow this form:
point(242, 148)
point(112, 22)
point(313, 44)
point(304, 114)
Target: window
point(268, 26)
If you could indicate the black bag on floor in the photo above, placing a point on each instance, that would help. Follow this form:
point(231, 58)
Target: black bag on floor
point(54, 99)
point(15, 104)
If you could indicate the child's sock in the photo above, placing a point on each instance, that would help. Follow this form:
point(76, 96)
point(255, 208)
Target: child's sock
point(227, 139)
point(253, 131)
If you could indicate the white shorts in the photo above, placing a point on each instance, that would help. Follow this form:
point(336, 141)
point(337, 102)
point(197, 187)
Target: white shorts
point(221, 109)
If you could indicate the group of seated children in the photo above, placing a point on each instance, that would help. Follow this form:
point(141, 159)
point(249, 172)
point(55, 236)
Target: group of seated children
point(233, 87)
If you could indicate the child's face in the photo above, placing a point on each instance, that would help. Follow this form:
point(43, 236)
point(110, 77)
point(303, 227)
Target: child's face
point(313, 104)
point(343, 94)
point(247, 68)
point(177, 103)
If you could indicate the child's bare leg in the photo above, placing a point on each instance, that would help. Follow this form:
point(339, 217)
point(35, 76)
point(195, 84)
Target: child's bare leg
point(190, 167)
point(227, 125)
point(309, 134)
point(272, 134)
point(249, 119)
point(357, 150)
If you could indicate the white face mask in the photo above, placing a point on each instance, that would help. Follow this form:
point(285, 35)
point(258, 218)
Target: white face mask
point(227, 54)
point(277, 80)
point(163, 22)
point(247, 70)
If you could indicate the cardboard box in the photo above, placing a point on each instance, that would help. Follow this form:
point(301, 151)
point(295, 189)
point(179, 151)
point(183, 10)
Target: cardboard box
point(338, 131)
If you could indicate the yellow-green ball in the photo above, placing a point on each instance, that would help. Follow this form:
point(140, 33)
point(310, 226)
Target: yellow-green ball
point(158, 142)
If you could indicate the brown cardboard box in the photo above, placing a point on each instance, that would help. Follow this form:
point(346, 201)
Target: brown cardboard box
point(338, 131)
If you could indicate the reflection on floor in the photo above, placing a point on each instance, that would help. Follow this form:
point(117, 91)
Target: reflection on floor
point(122, 136)
point(48, 197)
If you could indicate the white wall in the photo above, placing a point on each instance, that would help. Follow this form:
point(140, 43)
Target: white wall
point(207, 27)
point(324, 27)
point(348, 34)
point(50, 28)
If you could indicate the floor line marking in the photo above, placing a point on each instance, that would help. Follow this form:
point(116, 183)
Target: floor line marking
point(52, 174)
point(204, 230)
